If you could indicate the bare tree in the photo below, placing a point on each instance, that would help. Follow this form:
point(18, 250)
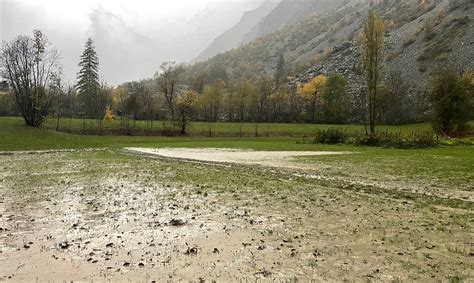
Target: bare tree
point(30, 64)
point(167, 81)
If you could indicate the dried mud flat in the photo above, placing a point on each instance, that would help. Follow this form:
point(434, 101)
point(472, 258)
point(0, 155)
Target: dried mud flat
point(114, 216)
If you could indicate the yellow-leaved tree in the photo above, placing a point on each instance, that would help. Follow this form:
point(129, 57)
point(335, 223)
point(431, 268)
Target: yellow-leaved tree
point(311, 93)
point(109, 115)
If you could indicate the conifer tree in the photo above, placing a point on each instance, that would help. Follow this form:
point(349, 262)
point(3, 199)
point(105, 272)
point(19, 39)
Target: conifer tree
point(280, 72)
point(88, 84)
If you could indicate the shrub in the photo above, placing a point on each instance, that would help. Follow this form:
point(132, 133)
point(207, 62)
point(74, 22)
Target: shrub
point(409, 40)
point(395, 140)
point(330, 136)
point(454, 4)
point(428, 28)
point(456, 141)
point(440, 13)
point(386, 139)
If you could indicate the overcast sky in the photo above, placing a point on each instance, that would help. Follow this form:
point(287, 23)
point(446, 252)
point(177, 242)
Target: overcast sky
point(132, 37)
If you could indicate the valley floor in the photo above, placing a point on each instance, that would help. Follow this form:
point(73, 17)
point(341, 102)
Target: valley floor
point(120, 215)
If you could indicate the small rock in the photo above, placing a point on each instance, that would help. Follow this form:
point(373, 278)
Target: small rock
point(64, 245)
point(191, 251)
point(176, 222)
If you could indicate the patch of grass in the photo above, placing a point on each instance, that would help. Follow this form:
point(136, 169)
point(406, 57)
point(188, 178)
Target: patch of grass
point(441, 168)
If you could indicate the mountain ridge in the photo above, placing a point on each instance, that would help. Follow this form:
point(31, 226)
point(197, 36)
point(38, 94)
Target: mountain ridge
point(232, 37)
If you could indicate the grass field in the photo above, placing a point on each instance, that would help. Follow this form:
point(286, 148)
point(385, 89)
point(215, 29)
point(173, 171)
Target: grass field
point(441, 166)
point(16, 136)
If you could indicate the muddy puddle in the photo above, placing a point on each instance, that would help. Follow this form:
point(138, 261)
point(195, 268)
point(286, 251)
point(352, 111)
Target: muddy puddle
point(108, 216)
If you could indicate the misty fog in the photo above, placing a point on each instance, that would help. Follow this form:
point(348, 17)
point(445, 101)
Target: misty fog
point(132, 37)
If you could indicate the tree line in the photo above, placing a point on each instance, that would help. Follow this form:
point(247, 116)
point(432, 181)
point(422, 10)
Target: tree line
point(31, 67)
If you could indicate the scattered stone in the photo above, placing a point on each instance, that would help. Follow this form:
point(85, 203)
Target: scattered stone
point(191, 251)
point(264, 273)
point(317, 253)
point(177, 222)
point(64, 245)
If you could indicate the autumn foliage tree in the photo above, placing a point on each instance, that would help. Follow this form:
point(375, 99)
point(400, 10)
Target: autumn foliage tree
point(372, 38)
point(108, 115)
point(311, 93)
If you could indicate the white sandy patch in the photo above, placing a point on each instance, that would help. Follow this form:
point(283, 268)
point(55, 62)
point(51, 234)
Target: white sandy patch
point(238, 156)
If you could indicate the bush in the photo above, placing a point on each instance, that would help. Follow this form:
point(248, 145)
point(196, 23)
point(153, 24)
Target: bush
point(330, 136)
point(395, 140)
point(409, 40)
point(456, 141)
point(454, 4)
point(428, 28)
point(387, 139)
point(452, 98)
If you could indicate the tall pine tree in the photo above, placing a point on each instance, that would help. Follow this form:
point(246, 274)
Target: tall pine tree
point(88, 85)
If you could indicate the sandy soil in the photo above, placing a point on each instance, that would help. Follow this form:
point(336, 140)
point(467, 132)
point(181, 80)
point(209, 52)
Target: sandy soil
point(108, 216)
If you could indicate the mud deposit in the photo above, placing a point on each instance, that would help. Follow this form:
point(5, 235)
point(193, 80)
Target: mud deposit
point(107, 215)
point(237, 156)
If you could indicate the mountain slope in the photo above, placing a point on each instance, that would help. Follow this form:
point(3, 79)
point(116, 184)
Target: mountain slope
point(419, 40)
point(328, 42)
point(286, 13)
point(233, 37)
